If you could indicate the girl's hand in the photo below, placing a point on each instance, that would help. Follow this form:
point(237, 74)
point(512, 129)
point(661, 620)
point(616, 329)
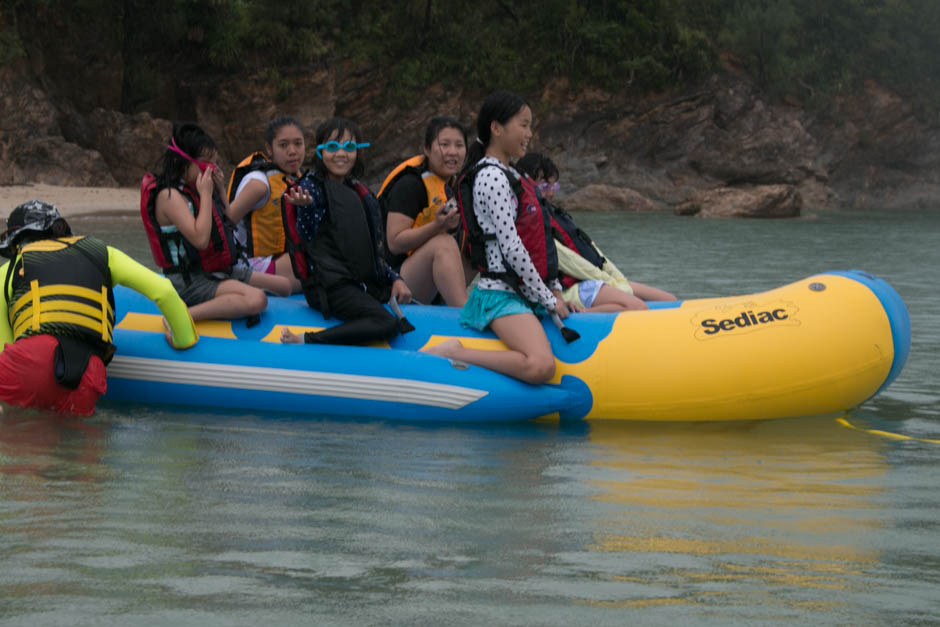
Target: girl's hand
point(400, 292)
point(204, 182)
point(299, 197)
point(447, 217)
point(561, 308)
point(574, 307)
point(219, 179)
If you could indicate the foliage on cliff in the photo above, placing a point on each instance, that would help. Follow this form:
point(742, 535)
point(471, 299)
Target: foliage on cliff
point(799, 47)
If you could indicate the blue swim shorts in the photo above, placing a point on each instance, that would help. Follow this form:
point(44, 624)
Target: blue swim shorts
point(484, 306)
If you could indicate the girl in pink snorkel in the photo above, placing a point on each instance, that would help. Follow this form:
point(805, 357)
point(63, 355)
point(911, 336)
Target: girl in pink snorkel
point(183, 210)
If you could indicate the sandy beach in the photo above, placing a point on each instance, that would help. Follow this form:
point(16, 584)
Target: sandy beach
point(72, 201)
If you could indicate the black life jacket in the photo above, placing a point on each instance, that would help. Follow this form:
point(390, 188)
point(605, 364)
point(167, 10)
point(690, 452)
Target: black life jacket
point(568, 233)
point(218, 256)
point(62, 287)
point(348, 245)
point(533, 224)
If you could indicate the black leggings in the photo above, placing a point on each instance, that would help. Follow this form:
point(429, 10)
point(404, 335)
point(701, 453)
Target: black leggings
point(364, 318)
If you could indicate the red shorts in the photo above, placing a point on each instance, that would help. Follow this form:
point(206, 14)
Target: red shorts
point(27, 378)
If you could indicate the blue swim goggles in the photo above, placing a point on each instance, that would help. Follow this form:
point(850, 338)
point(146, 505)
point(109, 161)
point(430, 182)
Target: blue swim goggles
point(333, 146)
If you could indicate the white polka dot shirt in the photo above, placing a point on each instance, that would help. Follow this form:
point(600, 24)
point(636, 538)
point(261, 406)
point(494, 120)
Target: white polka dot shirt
point(496, 206)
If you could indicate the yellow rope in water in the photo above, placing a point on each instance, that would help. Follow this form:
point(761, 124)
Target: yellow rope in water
point(885, 434)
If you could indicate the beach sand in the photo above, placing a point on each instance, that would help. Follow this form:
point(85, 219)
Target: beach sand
point(72, 201)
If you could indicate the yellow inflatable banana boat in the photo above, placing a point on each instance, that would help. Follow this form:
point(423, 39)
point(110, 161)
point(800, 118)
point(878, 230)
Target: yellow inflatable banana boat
point(819, 346)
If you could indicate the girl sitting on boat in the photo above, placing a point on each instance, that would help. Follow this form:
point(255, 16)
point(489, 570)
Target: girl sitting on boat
point(591, 280)
point(183, 209)
point(254, 193)
point(417, 198)
point(340, 245)
point(496, 202)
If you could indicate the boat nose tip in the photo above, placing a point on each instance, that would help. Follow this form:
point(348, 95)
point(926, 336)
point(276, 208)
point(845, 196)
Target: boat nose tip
point(898, 318)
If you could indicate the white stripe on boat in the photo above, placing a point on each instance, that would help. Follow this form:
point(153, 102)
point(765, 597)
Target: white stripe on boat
point(294, 381)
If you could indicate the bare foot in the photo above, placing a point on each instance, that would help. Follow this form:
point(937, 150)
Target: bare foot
point(447, 348)
point(289, 337)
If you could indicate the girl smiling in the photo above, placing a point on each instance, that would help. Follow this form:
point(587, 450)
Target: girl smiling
point(512, 291)
point(341, 230)
point(420, 219)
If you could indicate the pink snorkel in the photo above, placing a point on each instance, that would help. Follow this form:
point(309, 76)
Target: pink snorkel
point(202, 165)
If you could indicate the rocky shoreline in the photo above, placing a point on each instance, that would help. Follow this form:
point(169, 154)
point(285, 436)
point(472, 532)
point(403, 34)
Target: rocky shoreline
point(721, 149)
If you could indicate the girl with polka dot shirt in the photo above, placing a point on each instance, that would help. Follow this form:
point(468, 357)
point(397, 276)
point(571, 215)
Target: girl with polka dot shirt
point(504, 128)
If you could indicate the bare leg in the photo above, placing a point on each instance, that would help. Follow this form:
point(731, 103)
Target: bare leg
point(646, 292)
point(611, 299)
point(434, 267)
point(283, 268)
point(233, 299)
point(469, 272)
point(274, 283)
point(529, 357)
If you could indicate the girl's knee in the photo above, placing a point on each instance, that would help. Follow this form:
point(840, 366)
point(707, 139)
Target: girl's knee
point(446, 242)
point(256, 301)
point(387, 326)
point(539, 369)
point(631, 303)
point(637, 305)
point(444, 246)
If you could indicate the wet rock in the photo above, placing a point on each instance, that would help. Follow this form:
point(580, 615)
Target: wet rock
point(130, 145)
point(616, 151)
point(608, 198)
point(54, 161)
point(763, 201)
point(32, 149)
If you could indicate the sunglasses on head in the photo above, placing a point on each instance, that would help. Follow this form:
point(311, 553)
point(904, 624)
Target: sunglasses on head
point(333, 146)
point(202, 165)
point(546, 186)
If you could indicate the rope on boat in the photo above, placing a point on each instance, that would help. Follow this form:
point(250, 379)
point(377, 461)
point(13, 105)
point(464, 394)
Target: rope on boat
point(886, 434)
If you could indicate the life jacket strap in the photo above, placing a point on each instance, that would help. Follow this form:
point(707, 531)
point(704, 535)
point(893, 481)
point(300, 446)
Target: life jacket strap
point(47, 305)
point(105, 336)
point(34, 296)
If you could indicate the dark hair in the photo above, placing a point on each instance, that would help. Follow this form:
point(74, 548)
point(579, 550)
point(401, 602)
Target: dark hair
point(191, 139)
point(277, 124)
point(530, 164)
point(537, 166)
point(549, 169)
point(59, 228)
point(500, 106)
point(438, 124)
point(341, 126)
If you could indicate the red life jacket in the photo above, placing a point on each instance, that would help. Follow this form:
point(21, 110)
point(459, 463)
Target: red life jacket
point(532, 224)
point(218, 256)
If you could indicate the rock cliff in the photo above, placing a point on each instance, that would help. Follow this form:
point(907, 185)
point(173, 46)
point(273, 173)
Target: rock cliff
point(721, 148)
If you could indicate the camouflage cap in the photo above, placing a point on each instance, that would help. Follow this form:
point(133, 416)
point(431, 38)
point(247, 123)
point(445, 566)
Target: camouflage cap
point(32, 215)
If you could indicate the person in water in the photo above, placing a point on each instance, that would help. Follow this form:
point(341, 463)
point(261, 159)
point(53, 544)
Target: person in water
point(512, 291)
point(591, 280)
point(417, 198)
point(57, 311)
point(341, 232)
point(183, 209)
point(255, 190)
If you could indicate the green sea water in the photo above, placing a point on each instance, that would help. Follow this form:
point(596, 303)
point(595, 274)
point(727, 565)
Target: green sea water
point(149, 516)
